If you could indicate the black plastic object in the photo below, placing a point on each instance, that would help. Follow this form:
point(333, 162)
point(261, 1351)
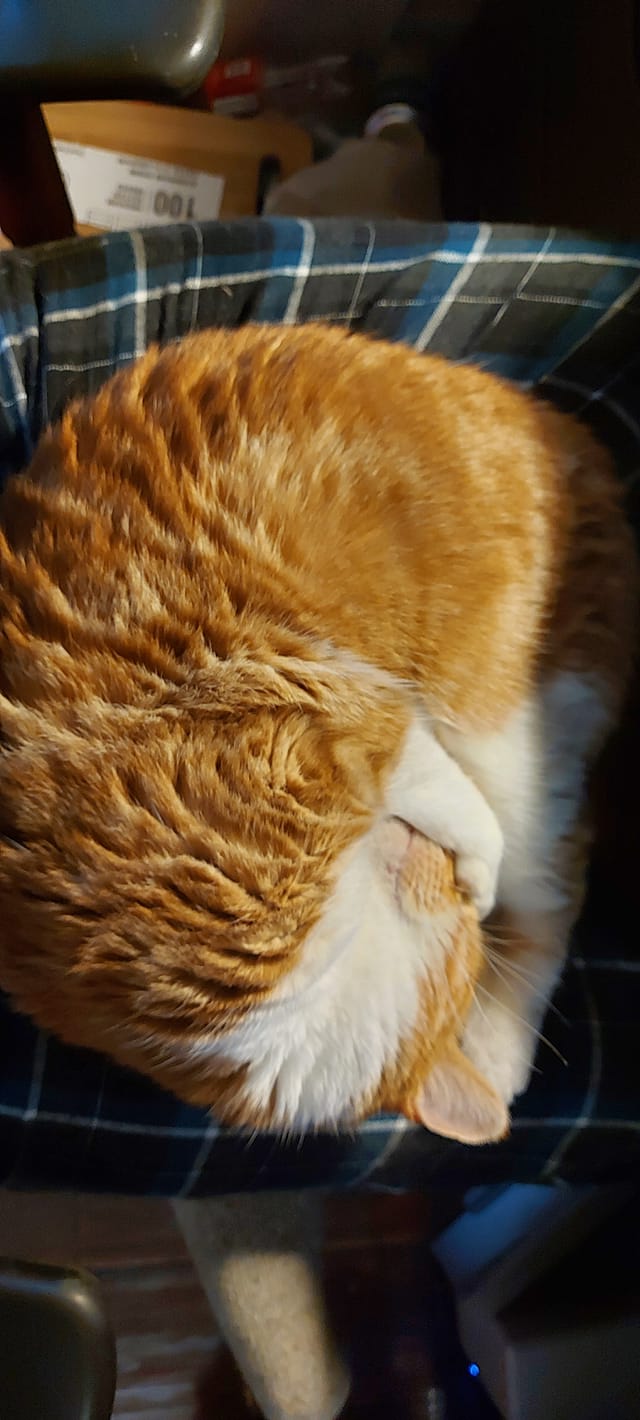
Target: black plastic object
point(84, 49)
point(57, 1354)
point(269, 173)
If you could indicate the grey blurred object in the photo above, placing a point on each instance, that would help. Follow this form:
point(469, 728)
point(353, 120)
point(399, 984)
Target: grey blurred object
point(258, 1258)
point(393, 175)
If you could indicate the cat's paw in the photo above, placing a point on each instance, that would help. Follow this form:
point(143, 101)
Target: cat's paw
point(471, 833)
point(502, 1048)
point(478, 847)
point(478, 878)
point(467, 826)
point(430, 791)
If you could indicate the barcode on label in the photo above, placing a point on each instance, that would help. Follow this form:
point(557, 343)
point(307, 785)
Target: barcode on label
point(130, 197)
point(110, 190)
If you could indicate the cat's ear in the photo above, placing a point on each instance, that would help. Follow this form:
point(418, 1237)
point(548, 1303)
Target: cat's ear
point(458, 1102)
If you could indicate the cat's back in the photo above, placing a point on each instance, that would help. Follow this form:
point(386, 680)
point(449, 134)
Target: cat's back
point(197, 413)
point(289, 432)
point(348, 486)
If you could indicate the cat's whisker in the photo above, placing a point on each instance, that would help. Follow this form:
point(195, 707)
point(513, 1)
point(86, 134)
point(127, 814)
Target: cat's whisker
point(504, 969)
point(496, 929)
point(528, 973)
point(537, 980)
point(495, 951)
point(479, 1007)
point(502, 966)
point(457, 1009)
point(518, 1055)
point(522, 1020)
point(504, 941)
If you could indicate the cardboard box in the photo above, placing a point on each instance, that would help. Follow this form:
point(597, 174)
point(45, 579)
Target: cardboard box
point(190, 165)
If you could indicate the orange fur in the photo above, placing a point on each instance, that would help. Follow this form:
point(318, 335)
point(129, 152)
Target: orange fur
point(225, 583)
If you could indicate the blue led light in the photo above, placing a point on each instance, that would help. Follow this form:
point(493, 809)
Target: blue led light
point(474, 1370)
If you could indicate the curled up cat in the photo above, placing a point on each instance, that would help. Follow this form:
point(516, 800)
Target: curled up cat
point(307, 643)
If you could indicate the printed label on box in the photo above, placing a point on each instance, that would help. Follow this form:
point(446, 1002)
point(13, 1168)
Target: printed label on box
point(116, 190)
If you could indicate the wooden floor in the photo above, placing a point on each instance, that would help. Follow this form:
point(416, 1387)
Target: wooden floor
point(388, 1301)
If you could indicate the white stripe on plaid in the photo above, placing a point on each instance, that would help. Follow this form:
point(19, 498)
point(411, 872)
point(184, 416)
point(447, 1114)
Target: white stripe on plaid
point(619, 375)
point(353, 304)
point(85, 365)
point(612, 310)
point(347, 268)
point(588, 304)
point(109, 1126)
point(564, 1121)
point(18, 339)
point(7, 347)
point(444, 306)
point(95, 1123)
point(211, 283)
point(211, 1133)
point(16, 403)
point(604, 964)
point(594, 397)
point(207, 1133)
point(517, 294)
point(397, 1127)
point(593, 1086)
point(37, 1076)
point(140, 294)
point(369, 1126)
point(156, 293)
point(302, 273)
point(197, 279)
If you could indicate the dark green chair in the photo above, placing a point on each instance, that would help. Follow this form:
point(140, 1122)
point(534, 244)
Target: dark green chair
point(57, 1353)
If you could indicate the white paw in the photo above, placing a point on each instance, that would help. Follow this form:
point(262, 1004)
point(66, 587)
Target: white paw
point(501, 1047)
point(430, 791)
point(478, 846)
point(479, 880)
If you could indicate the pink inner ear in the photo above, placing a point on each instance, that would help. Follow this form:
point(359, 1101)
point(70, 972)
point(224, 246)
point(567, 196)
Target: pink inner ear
point(458, 1103)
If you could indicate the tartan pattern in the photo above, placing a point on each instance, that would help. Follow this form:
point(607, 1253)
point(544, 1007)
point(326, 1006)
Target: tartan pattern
point(549, 309)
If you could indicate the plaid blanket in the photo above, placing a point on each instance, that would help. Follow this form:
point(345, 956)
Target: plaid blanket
point(547, 309)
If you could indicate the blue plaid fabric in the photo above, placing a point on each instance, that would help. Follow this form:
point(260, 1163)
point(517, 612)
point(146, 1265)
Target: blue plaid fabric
point(548, 309)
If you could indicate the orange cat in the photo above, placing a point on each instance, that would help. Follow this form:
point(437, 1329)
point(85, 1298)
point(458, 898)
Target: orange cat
point(276, 607)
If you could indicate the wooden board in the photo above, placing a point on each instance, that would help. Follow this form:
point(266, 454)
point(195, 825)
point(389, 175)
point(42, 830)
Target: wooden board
point(230, 147)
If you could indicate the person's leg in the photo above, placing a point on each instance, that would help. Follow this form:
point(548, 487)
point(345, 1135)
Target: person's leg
point(256, 1255)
